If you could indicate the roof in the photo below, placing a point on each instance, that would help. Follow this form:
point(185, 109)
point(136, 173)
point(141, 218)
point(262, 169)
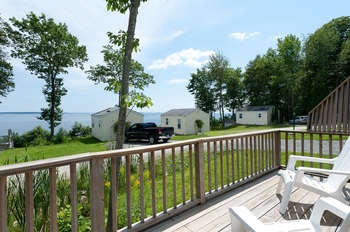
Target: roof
point(255, 108)
point(111, 110)
point(180, 112)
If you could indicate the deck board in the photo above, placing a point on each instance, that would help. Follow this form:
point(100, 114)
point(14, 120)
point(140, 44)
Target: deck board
point(258, 196)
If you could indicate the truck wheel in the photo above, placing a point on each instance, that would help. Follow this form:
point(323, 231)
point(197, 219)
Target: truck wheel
point(165, 140)
point(152, 140)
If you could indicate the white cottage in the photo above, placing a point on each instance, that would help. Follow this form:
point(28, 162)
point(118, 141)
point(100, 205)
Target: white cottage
point(183, 120)
point(102, 122)
point(254, 115)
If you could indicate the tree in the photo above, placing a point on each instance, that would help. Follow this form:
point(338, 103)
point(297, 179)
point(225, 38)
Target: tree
point(235, 95)
point(201, 87)
point(327, 60)
point(128, 44)
point(6, 75)
point(111, 74)
point(290, 71)
point(218, 67)
point(47, 49)
point(273, 78)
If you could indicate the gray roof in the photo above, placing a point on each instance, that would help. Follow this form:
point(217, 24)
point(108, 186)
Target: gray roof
point(111, 110)
point(179, 112)
point(255, 108)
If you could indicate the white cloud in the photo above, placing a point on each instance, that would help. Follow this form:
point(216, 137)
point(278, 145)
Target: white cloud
point(190, 58)
point(177, 81)
point(243, 35)
point(276, 37)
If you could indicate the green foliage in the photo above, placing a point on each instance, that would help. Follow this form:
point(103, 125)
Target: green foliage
point(200, 86)
point(217, 86)
point(274, 78)
point(39, 136)
point(7, 83)
point(327, 60)
point(65, 223)
point(47, 49)
point(61, 136)
point(35, 137)
point(16, 201)
point(79, 130)
point(111, 74)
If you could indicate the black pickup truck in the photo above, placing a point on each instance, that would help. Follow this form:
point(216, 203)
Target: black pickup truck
point(149, 131)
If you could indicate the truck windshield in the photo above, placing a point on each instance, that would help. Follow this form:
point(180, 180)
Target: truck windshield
point(149, 125)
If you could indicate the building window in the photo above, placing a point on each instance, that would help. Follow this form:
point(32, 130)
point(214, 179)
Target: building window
point(240, 115)
point(179, 123)
point(93, 123)
point(259, 115)
point(166, 121)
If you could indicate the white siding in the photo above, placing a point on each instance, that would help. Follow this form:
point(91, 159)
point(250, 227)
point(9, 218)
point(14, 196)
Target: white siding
point(102, 124)
point(254, 117)
point(187, 122)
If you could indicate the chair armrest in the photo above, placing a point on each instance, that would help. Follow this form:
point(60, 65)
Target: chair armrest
point(294, 158)
point(330, 204)
point(242, 217)
point(320, 170)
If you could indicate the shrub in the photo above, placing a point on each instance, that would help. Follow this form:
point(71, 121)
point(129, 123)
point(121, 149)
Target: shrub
point(79, 130)
point(34, 137)
point(61, 136)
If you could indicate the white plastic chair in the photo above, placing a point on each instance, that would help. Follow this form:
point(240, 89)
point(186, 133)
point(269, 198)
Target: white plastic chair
point(328, 187)
point(243, 220)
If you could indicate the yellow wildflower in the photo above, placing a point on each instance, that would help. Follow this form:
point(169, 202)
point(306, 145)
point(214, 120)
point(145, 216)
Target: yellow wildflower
point(107, 184)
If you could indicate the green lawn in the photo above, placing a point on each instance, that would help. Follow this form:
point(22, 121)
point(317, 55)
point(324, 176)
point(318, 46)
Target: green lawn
point(81, 145)
point(228, 131)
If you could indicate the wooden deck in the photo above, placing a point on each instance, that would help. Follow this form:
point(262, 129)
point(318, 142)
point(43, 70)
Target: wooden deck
point(258, 196)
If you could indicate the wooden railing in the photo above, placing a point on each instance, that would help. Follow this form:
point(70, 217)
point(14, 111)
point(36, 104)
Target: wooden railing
point(171, 177)
point(333, 112)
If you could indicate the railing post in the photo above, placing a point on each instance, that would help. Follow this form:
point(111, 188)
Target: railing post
point(3, 202)
point(278, 154)
point(53, 200)
point(199, 170)
point(11, 145)
point(97, 195)
point(29, 201)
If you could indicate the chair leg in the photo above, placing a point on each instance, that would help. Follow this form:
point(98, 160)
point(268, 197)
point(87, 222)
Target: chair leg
point(288, 188)
point(279, 186)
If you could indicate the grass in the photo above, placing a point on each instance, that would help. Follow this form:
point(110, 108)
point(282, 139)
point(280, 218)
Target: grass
point(228, 131)
point(78, 146)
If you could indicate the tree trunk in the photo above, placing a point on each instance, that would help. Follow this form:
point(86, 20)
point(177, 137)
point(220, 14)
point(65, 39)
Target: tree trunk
point(124, 93)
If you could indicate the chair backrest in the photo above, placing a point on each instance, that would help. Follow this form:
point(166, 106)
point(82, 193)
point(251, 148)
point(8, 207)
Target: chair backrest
point(342, 163)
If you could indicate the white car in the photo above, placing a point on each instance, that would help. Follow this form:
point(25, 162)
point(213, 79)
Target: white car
point(299, 120)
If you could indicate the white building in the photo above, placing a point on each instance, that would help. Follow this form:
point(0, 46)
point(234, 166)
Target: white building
point(102, 122)
point(254, 115)
point(183, 120)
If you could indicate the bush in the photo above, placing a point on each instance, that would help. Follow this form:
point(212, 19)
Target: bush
point(79, 130)
point(34, 137)
point(39, 136)
point(61, 136)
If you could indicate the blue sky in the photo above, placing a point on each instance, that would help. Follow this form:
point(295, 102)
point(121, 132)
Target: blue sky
point(176, 37)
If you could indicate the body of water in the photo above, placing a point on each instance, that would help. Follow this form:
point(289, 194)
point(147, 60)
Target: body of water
point(26, 121)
